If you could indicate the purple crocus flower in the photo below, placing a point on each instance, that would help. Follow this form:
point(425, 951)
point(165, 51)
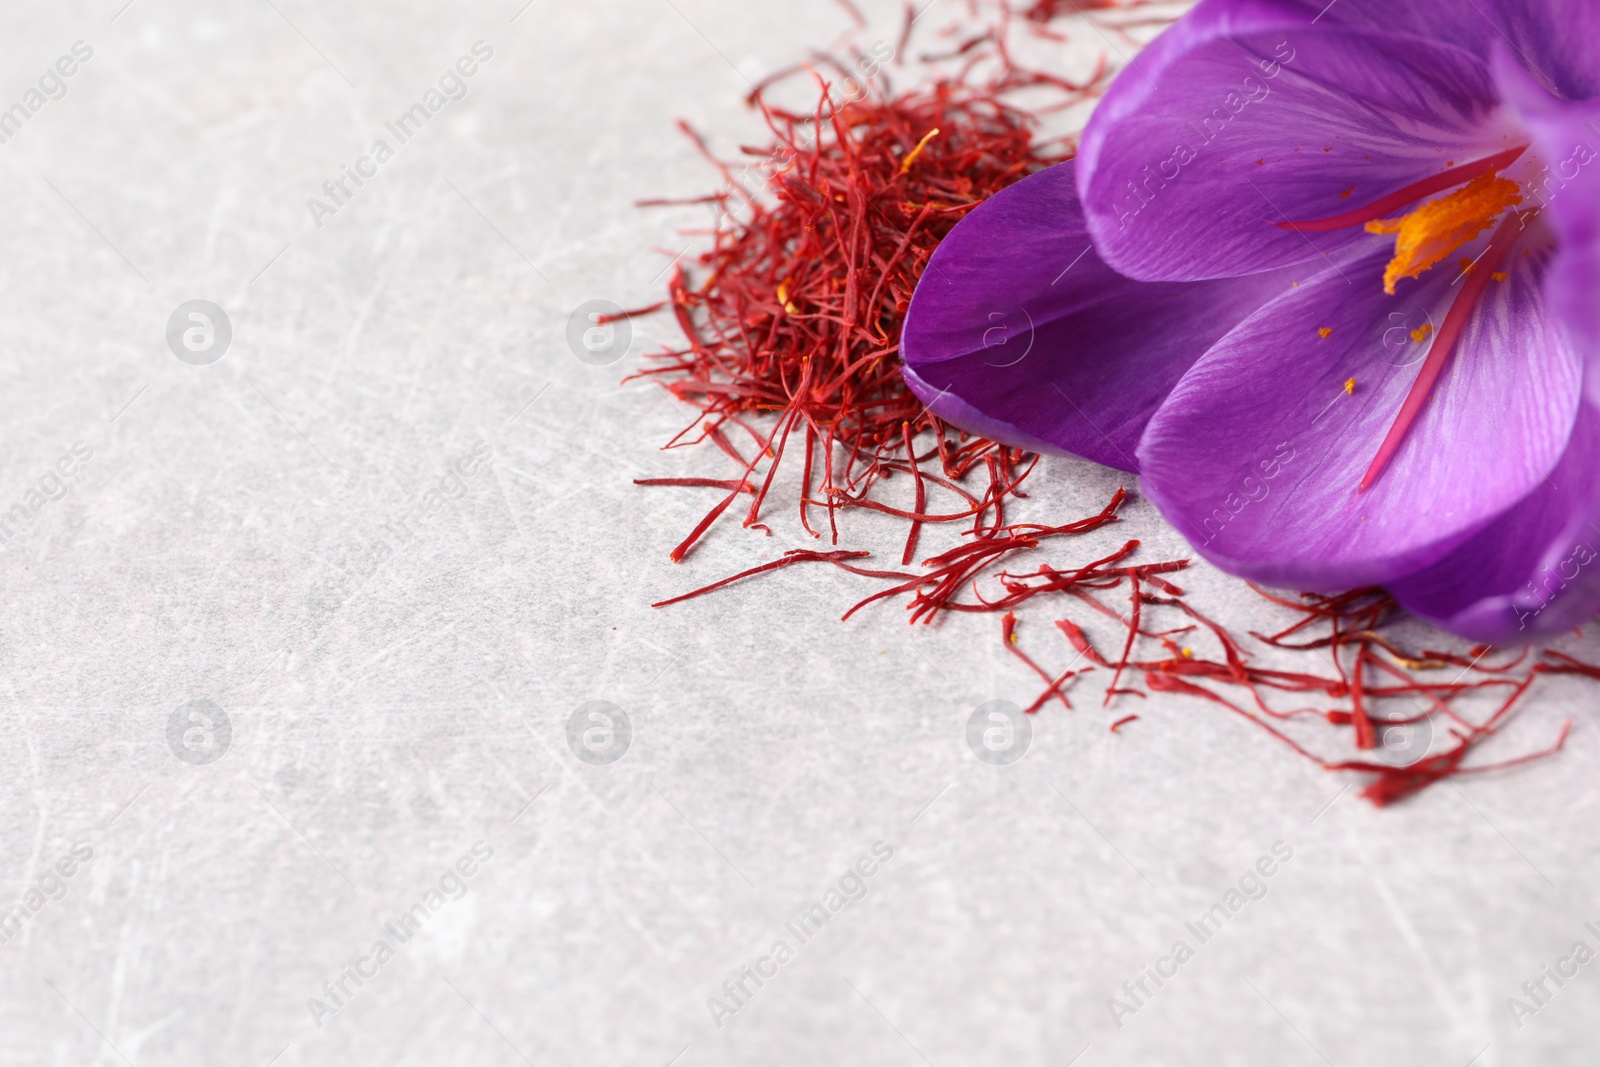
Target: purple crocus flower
point(1327, 278)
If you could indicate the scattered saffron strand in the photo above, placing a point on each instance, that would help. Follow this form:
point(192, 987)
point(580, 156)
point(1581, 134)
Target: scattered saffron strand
point(1053, 690)
point(922, 497)
point(1366, 734)
point(1561, 663)
point(632, 313)
point(1133, 635)
point(1008, 634)
point(1043, 11)
point(788, 559)
point(1444, 344)
point(1167, 683)
point(1125, 720)
point(677, 554)
point(726, 484)
point(1388, 205)
point(1396, 783)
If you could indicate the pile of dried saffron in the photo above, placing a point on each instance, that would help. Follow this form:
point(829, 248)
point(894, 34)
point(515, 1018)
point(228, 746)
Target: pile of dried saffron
point(792, 316)
point(792, 320)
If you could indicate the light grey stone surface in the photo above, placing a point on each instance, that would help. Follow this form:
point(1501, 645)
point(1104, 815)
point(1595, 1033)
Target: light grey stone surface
point(257, 532)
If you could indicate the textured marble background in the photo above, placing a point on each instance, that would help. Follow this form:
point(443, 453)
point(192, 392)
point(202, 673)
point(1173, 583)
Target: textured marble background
point(258, 538)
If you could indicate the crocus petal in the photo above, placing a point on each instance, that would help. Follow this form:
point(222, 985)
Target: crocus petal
point(1533, 572)
point(1020, 333)
point(1202, 146)
point(1257, 454)
point(1566, 144)
point(1553, 38)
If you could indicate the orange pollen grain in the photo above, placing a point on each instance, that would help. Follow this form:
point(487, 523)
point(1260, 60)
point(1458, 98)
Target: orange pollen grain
point(1421, 332)
point(1350, 387)
point(1325, 333)
point(1436, 229)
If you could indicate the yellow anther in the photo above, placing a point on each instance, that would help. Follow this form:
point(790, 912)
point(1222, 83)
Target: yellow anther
point(1439, 227)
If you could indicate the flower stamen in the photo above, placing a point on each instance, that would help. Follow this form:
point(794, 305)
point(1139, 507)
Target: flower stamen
point(1439, 227)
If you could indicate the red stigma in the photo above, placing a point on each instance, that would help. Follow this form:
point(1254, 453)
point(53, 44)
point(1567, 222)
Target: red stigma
point(1388, 205)
point(1478, 277)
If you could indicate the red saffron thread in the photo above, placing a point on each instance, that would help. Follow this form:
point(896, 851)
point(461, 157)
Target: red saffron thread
point(1388, 205)
point(1444, 344)
point(1008, 634)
